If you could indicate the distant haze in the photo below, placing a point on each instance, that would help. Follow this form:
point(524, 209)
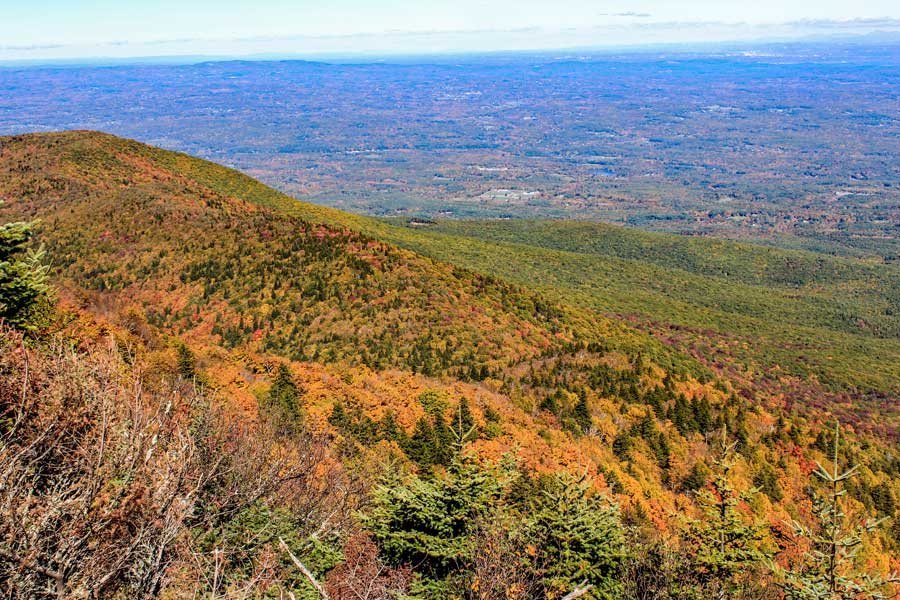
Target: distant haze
point(62, 29)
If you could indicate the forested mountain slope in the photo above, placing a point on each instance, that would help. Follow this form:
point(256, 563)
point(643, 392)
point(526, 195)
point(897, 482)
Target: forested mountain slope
point(184, 242)
point(817, 329)
point(446, 386)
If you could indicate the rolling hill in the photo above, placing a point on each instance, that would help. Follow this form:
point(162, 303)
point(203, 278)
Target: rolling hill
point(216, 261)
point(814, 328)
point(212, 254)
point(615, 355)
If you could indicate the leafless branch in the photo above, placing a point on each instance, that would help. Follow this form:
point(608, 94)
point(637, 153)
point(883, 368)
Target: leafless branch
point(306, 572)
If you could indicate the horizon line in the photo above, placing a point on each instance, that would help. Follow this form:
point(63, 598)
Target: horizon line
point(404, 55)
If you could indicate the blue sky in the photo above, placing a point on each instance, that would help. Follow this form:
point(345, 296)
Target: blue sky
point(39, 29)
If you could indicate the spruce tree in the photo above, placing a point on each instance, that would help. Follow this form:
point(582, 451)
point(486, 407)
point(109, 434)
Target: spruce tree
point(187, 362)
point(582, 414)
point(579, 539)
point(697, 478)
point(724, 546)
point(464, 427)
point(23, 276)
point(420, 445)
point(828, 570)
point(283, 399)
point(428, 521)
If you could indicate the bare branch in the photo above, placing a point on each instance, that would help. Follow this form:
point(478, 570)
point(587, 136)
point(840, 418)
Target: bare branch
point(56, 576)
point(580, 590)
point(306, 572)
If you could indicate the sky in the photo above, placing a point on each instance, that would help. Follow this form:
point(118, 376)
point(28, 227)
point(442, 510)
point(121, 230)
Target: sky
point(43, 29)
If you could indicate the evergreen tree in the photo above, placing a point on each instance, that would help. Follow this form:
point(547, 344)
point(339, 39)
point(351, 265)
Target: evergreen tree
point(420, 447)
point(702, 414)
point(724, 547)
point(428, 522)
point(766, 480)
point(551, 404)
point(682, 416)
point(582, 414)
point(622, 444)
point(446, 444)
point(187, 362)
point(464, 428)
point(828, 570)
point(23, 276)
point(283, 399)
point(697, 478)
point(390, 429)
point(578, 536)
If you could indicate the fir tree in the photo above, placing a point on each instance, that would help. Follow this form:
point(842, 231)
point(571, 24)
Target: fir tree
point(622, 444)
point(697, 478)
point(187, 362)
point(828, 570)
point(389, 429)
point(582, 414)
point(23, 276)
point(283, 399)
point(682, 416)
point(428, 522)
point(724, 545)
point(464, 428)
point(579, 538)
point(766, 480)
point(420, 446)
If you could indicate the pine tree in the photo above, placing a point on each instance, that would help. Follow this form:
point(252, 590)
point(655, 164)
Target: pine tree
point(23, 276)
point(724, 546)
point(828, 571)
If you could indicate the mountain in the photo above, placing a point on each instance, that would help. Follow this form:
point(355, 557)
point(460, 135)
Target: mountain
point(819, 331)
point(209, 255)
point(404, 347)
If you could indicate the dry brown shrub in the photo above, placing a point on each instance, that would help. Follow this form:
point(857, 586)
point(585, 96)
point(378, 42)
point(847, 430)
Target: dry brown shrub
point(103, 484)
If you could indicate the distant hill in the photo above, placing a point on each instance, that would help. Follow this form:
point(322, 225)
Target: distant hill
point(217, 257)
point(815, 329)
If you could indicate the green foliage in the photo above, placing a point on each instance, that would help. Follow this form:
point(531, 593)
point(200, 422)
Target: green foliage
point(766, 480)
point(579, 538)
point(582, 414)
point(829, 570)
point(434, 402)
point(431, 443)
point(428, 522)
point(725, 548)
point(464, 427)
point(239, 544)
point(697, 478)
point(283, 400)
point(564, 534)
point(23, 277)
point(187, 362)
point(492, 427)
point(712, 287)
